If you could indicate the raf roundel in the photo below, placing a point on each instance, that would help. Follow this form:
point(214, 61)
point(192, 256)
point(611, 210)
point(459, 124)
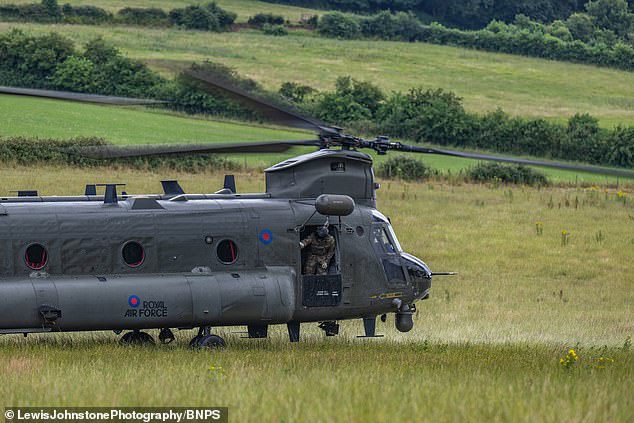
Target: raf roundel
point(134, 301)
point(266, 237)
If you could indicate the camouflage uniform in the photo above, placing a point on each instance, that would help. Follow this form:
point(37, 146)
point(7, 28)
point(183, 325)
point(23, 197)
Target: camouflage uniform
point(319, 255)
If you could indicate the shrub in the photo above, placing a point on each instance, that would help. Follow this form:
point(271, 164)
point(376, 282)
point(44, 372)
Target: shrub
point(209, 17)
point(46, 12)
point(276, 30)
point(338, 25)
point(88, 15)
point(295, 92)
point(406, 168)
point(74, 74)
point(613, 15)
point(312, 20)
point(584, 141)
point(508, 174)
point(194, 17)
point(121, 76)
point(99, 52)
point(425, 115)
point(31, 60)
point(52, 8)
point(143, 16)
point(621, 147)
point(351, 101)
point(581, 26)
point(261, 19)
point(191, 96)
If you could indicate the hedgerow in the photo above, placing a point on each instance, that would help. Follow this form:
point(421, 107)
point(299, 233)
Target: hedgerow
point(507, 174)
point(406, 168)
point(36, 152)
point(559, 40)
point(208, 17)
point(438, 117)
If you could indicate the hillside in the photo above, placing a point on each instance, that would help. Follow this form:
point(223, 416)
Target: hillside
point(519, 85)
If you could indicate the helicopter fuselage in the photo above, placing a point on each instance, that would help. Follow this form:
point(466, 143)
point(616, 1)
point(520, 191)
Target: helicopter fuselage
point(183, 261)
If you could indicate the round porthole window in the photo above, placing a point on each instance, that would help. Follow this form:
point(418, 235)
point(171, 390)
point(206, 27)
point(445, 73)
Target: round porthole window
point(36, 256)
point(227, 251)
point(133, 254)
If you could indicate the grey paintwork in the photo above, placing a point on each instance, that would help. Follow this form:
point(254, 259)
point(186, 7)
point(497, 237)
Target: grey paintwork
point(181, 282)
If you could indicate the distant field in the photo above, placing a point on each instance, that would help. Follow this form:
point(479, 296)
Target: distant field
point(519, 85)
point(244, 8)
point(485, 347)
point(45, 118)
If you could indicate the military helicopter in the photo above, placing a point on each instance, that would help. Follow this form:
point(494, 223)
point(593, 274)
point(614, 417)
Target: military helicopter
point(177, 260)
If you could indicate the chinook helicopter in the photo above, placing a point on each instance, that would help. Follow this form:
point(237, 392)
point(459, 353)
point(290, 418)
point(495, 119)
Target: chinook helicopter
point(177, 260)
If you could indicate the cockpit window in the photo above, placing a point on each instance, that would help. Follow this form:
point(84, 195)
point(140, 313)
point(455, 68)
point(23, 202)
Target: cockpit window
point(382, 242)
point(393, 238)
point(378, 217)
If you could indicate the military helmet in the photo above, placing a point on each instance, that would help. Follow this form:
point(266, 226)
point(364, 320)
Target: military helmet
point(322, 231)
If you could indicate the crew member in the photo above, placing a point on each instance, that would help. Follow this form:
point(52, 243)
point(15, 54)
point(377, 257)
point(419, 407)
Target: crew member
point(321, 249)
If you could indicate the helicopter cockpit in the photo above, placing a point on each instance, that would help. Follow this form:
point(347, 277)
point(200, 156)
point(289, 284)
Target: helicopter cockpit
point(400, 268)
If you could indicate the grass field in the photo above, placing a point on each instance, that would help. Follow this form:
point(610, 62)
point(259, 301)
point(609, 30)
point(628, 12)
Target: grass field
point(519, 85)
point(486, 346)
point(45, 118)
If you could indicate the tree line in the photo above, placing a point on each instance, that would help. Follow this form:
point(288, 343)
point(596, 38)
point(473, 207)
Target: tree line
point(603, 35)
point(465, 14)
point(208, 17)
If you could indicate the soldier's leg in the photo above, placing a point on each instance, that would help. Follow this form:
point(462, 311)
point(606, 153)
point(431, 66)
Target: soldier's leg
point(322, 267)
point(309, 266)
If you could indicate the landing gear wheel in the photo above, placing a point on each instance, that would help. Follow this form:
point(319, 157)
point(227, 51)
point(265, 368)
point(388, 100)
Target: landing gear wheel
point(137, 338)
point(205, 339)
point(194, 342)
point(210, 341)
point(166, 336)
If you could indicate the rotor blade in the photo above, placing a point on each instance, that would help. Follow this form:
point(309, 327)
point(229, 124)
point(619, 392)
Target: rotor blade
point(277, 114)
point(528, 162)
point(81, 97)
point(112, 152)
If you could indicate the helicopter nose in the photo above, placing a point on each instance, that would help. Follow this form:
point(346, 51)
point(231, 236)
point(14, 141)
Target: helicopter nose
point(419, 275)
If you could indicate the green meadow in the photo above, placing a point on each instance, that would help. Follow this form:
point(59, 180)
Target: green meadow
point(519, 85)
point(46, 118)
point(486, 346)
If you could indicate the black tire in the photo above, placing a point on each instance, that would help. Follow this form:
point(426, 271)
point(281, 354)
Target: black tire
point(145, 338)
point(137, 338)
point(211, 342)
point(127, 338)
point(194, 342)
